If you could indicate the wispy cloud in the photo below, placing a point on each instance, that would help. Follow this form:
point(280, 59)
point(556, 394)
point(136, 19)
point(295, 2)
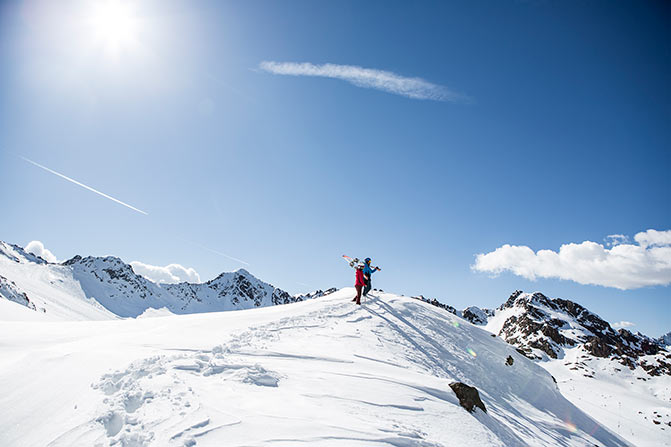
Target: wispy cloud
point(623, 324)
point(84, 186)
point(623, 266)
point(416, 88)
point(616, 239)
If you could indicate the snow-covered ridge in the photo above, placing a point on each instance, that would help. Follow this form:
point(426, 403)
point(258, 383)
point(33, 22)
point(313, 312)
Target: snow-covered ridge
point(111, 284)
point(320, 373)
point(18, 254)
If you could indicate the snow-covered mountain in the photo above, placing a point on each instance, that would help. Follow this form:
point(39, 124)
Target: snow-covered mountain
point(110, 284)
point(665, 340)
point(619, 377)
point(545, 328)
point(323, 372)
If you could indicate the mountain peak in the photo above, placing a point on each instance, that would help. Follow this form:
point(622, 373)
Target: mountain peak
point(543, 328)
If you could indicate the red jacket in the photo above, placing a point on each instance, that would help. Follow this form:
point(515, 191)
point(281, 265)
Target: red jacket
point(359, 278)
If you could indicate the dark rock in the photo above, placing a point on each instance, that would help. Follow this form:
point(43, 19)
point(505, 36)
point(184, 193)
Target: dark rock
point(510, 361)
point(468, 396)
point(598, 347)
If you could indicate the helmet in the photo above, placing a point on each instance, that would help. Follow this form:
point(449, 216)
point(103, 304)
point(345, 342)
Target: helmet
point(360, 265)
point(367, 260)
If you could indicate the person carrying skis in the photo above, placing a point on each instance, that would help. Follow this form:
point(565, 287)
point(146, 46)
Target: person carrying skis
point(367, 274)
point(359, 283)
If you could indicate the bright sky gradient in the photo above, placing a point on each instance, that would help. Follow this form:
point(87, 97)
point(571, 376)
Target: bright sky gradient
point(277, 136)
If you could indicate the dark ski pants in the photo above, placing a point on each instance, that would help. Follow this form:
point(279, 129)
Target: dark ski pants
point(367, 287)
point(358, 294)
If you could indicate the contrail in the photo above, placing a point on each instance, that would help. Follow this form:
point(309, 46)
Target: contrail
point(196, 244)
point(224, 255)
point(84, 186)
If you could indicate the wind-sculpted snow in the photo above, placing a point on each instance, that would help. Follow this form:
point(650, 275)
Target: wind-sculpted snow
point(320, 372)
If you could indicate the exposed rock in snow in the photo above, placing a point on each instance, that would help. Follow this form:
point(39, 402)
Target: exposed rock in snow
point(11, 292)
point(468, 396)
point(476, 315)
point(18, 254)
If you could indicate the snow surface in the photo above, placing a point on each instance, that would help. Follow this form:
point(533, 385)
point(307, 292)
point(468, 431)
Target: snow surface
point(631, 403)
point(322, 372)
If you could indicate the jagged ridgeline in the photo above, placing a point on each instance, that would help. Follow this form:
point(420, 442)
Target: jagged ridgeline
point(111, 284)
point(544, 328)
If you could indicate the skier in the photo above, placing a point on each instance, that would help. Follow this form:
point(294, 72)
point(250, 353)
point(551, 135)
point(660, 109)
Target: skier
point(367, 273)
point(359, 283)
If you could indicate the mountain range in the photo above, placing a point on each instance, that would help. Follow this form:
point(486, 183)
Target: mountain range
point(113, 289)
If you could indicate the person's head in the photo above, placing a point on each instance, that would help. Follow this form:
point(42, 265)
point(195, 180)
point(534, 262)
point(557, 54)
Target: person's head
point(367, 260)
point(359, 265)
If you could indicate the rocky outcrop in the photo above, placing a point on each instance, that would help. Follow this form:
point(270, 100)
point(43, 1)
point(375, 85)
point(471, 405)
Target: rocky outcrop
point(10, 291)
point(468, 396)
point(476, 315)
point(542, 327)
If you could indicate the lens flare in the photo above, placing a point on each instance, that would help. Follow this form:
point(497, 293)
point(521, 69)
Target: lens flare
point(570, 426)
point(455, 324)
point(472, 352)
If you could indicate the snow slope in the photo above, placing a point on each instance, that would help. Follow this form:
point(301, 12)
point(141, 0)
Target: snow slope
point(322, 372)
point(51, 288)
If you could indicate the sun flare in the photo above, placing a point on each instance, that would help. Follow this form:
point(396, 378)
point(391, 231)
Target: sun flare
point(114, 24)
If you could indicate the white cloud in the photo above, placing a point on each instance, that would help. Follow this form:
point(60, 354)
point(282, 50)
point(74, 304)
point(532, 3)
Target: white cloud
point(623, 324)
point(416, 88)
point(170, 274)
point(624, 266)
point(37, 248)
point(653, 238)
point(616, 239)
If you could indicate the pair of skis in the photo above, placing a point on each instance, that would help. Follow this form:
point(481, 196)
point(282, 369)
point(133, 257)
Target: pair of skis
point(354, 261)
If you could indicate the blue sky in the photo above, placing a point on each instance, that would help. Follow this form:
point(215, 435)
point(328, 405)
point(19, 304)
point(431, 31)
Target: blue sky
point(558, 133)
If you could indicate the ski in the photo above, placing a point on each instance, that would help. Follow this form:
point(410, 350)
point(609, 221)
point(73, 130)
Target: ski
point(351, 261)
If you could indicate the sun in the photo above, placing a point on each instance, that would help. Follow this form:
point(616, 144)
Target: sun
point(114, 24)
